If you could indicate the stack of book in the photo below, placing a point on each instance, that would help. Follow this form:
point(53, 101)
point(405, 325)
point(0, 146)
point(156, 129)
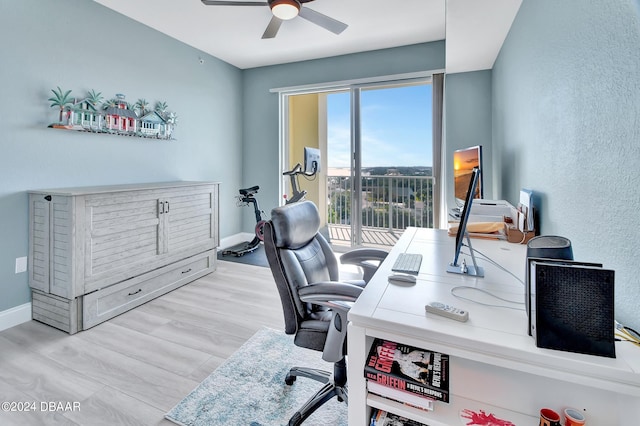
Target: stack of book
point(407, 374)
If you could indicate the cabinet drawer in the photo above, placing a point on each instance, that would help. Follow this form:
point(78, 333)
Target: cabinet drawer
point(106, 303)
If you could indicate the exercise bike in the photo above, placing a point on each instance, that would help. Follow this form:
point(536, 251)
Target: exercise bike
point(299, 195)
point(293, 174)
point(246, 197)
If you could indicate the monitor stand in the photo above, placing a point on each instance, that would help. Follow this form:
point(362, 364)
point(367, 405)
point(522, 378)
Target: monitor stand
point(464, 269)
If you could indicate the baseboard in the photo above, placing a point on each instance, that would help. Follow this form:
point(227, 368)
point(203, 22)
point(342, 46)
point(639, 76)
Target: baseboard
point(14, 316)
point(22, 313)
point(235, 239)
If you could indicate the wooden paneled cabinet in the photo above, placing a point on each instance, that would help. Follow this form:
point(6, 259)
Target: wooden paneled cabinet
point(96, 252)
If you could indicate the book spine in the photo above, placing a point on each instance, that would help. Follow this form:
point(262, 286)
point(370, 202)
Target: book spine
point(428, 407)
point(407, 398)
point(404, 385)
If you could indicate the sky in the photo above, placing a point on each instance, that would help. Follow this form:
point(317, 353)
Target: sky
point(396, 127)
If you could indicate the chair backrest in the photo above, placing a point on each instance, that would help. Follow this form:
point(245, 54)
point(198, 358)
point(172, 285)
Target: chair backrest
point(298, 255)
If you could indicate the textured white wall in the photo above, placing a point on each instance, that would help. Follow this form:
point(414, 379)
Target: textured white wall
point(566, 124)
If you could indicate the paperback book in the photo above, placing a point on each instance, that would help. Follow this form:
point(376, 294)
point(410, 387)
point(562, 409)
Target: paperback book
point(384, 418)
point(400, 396)
point(410, 369)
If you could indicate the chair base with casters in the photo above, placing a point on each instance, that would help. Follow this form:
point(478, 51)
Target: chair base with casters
point(315, 302)
point(335, 385)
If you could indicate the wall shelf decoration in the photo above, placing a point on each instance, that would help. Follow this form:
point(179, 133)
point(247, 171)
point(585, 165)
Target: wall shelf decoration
point(114, 116)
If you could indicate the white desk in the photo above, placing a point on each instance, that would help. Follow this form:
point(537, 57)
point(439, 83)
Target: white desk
point(495, 365)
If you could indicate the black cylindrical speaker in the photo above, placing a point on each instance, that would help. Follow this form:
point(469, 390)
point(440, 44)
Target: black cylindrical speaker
point(550, 247)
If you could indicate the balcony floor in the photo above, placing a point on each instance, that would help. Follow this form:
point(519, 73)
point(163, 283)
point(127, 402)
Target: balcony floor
point(340, 236)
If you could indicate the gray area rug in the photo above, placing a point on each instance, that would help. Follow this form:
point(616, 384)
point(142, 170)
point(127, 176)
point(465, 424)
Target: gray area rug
point(249, 389)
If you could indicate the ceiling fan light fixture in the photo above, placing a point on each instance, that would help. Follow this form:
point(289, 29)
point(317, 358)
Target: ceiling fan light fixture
point(285, 9)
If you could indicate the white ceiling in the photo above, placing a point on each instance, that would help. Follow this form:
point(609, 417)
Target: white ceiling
point(474, 29)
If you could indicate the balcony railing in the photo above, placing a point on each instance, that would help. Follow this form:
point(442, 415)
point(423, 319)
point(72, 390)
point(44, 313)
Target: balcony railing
point(388, 202)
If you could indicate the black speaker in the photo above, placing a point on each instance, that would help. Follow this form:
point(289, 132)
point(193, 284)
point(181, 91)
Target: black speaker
point(572, 307)
point(544, 247)
point(550, 247)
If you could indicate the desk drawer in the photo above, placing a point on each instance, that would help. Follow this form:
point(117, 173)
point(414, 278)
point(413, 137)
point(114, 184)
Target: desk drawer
point(106, 303)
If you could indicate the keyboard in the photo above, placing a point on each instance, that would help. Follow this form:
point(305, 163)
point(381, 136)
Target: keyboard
point(409, 263)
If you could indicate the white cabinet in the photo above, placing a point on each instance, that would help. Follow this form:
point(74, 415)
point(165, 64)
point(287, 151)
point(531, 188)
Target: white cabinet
point(96, 252)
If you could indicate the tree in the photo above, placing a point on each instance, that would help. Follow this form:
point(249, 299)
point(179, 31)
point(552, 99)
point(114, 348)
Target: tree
point(172, 118)
point(161, 108)
point(94, 98)
point(340, 207)
point(111, 103)
point(141, 106)
point(61, 100)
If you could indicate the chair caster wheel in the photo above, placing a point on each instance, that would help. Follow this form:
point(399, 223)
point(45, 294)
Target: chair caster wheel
point(289, 379)
point(295, 420)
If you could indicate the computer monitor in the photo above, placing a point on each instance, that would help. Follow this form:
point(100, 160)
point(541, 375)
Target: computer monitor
point(464, 161)
point(311, 160)
point(455, 267)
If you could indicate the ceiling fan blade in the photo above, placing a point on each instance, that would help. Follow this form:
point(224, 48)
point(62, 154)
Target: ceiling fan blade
point(234, 3)
point(322, 20)
point(272, 28)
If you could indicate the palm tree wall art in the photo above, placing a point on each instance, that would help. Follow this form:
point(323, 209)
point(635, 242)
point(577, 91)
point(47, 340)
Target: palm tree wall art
point(113, 116)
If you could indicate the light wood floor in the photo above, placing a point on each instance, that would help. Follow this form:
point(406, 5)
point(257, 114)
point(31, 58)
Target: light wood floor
point(134, 368)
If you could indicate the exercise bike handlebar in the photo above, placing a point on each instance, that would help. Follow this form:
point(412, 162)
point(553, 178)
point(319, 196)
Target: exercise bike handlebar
point(297, 170)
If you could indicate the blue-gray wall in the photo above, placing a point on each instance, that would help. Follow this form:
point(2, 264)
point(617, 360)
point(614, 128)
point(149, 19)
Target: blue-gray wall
point(227, 118)
point(80, 45)
point(566, 124)
point(468, 123)
point(564, 97)
point(261, 143)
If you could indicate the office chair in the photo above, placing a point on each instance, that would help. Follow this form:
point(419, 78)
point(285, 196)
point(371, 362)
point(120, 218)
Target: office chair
point(315, 303)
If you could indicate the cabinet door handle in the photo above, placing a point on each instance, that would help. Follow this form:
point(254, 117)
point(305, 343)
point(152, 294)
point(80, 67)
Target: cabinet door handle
point(161, 208)
point(187, 271)
point(167, 209)
point(135, 292)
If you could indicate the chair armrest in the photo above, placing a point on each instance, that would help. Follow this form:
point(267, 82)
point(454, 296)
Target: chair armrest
point(332, 294)
point(363, 257)
point(362, 254)
point(339, 297)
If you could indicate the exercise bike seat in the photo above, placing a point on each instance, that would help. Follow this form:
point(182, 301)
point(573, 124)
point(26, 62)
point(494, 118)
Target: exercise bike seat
point(249, 191)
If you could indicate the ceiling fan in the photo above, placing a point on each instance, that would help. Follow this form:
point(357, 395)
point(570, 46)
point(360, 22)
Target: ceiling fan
point(283, 10)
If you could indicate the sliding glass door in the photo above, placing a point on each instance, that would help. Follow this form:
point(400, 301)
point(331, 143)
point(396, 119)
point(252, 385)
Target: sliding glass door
point(377, 155)
point(380, 159)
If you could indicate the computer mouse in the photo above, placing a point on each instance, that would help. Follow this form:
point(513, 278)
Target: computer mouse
point(402, 279)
